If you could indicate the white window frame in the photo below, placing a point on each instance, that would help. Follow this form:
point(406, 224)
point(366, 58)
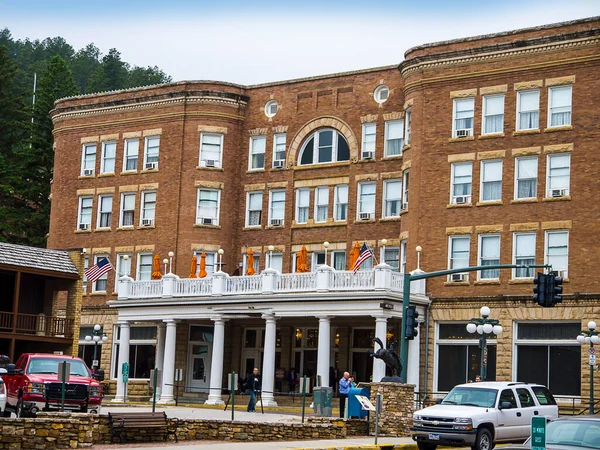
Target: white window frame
point(314, 259)
point(451, 239)
point(480, 239)
point(103, 277)
point(453, 197)
point(359, 200)
point(132, 343)
point(269, 108)
point(274, 256)
point(317, 204)
point(455, 103)
point(256, 263)
point(277, 148)
point(100, 212)
point(549, 188)
point(103, 160)
point(83, 159)
point(519, 112)
point(147, 148)
point(143, 203)
point(519, 178)
point(336, 203)
point(386, 198)
point(202, 158)
point(407, 125)
point(384, 250)
point(551, 91)
point(369, 131)
point(218, 209)
point(482, 181)
point(80, 210)
point(300, 193)
point(248, 210)
point(387, 137)
point(564, 270)
point(271, 192)
point(403, 251)
point(252, 152)
point(514, 253)
point(86, 265)
point(379, 90)
point(210, 268)
point(333, 258)
point(119, 268)
point(138, 264)
point(405, 186)
point(122, 209)
point(334, 147)
point(485, 115)
point(126, 156)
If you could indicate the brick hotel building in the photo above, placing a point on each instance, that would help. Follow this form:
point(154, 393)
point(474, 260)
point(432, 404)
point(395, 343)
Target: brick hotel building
point(479, 151)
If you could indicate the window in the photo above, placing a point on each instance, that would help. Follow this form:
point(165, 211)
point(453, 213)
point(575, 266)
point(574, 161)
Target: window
point(524, 253)
point(211, 148)
point(559, 175)
point(142, 351)
point(408, 118)
point(302, 201)
point(279, 142)
point(341, 202)
point(258, 145)
point(151, 152)
point(276, 207)
point(144, 266)
point(254, 209)
point(459, 253)
point(391, 256)
point(104, 211)
point(528, 110)
point(86, 265)
point(366, 200)
point(130, 155)
point(381, 94)
point(489, 254)
point(493, 114)
point(464, 110)
point(462, 181)
point(107, 164)
point(271, 108)
point(338, 259)
point(557, 251)
point(318, 259)
point(394, 137)
point(208, 207)
point(275, 261)
point(100, 284)
point(127, 210)
point(256, 265)
point(491, 181)
point(405, 176)
point(148, 207)
point(123, 268)
point(211, 262)
point(403, 249)
point(321, 204)
point(392, 198)
point(324, 146)
point(85, 213)
point(526, 177)
point(369, 131)
point(559, 106)
point(88, 159)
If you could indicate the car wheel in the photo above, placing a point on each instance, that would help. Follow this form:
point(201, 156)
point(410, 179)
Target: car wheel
point(483, 440)
point(425, 446)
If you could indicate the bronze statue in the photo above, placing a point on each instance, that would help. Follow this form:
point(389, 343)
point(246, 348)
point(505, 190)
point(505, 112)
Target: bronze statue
point(390, 358)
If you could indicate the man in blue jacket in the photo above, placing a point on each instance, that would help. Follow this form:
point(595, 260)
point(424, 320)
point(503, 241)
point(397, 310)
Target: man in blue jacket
point(345, 384)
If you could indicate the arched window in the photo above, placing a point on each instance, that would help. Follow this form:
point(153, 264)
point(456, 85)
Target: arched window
point(324, 146)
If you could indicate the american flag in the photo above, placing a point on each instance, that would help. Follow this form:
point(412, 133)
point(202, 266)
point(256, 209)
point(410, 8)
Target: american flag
point(97, 270)
point(365, 253)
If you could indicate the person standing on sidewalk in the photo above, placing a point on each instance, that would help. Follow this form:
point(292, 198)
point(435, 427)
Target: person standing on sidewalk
point(254, 382)
point(344, 390)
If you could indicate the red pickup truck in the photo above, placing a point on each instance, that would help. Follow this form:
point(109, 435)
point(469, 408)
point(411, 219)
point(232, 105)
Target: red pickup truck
point(32, 385)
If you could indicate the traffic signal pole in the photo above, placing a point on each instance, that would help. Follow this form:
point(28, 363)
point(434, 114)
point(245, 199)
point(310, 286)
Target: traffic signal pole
point(441, 273)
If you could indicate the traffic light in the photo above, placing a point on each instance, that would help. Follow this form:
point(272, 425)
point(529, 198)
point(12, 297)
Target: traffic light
point(410, 323)
point(540, 289)
point(555, 289)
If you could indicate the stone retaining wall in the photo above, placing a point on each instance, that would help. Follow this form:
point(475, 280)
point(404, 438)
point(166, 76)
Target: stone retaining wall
point(397, 410)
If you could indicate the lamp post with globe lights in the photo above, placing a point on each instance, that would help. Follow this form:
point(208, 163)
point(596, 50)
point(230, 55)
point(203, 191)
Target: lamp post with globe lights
point(98, 337)
point(590, 336)
point(484, 326)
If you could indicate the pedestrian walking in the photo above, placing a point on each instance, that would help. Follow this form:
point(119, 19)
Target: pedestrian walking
point(253, 387)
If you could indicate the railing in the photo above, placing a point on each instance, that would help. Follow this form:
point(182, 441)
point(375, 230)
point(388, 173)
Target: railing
point(397, 282)
point(195, 286)
point(576, 405)
point(296, 282)
point(343, 280)
point(147, 288)
point(6, 321)
point(38, 324)
point(246, 284)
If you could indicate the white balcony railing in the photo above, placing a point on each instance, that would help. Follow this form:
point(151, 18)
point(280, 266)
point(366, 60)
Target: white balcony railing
point(343, 280)
point(397, 281)
point(246, 284)
point(186, 287)
point(296, 282)
point(147, 288)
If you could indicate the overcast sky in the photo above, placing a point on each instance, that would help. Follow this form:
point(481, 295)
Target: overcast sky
point(260, 41)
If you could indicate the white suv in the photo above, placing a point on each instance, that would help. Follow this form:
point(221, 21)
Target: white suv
point(482, 414)
point(3, 412)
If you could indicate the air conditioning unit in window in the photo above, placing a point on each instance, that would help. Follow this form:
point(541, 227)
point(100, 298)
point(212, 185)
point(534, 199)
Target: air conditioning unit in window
point(88, 172)
point(462, 199)
point(276, 222)
point(147, 222)
point(456, 277)
point(561, 273)
point(278, 164)
point(368, 155)
point(210, 163)
point(207, 220)
point(151, 165)
point(84, 226)
point(559, 192)
point(463, 133)
point(364, 216)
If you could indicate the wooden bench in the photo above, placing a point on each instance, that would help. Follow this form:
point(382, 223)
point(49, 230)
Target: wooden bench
point(120, 422)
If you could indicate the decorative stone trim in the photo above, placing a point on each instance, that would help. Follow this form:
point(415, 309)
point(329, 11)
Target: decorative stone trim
point(208, 184)
point(205, 247)
point(405, 165)
point(525, 85)
point(132, 134)
point(277, 248)
point(321, 182)
point(280, 129)
point(144, 248)
point(530, 226)
point(100, 230)
point(277, 185)
point(105, 190)
point(319, 247)
point(491, 136)
point(148, 186)
point(558, 148)
point(516, 201)
point(461, 205)
point(525, 151)
point(465, 93)
point(461, 139)
point(500, 89)
point(101, 251)
point(200, 225)
point(459, 230)
point(525, 132)
point(127, 228)
point(369, 118)
point(366, 177)
point(322, 166)
point(557, 225)
point(486, 282)
point(312, 224)
point(408, 103)
point(153, 132)
point(489, 228)
point(258, 132)
point(490, 203)
point(555, 129)
point(558, 81)
point(495, 154)
point(83, 231)
point(128, 188)
point(388, 175)
point(404, 235)
point(90, 139)
point(461, 157)
point(106, 175)
point(109, 137)
point(127, 249)
point(254, 187)
point(557, 199)
point(390, 243)
point(396, 115)
point(212, 129)
point(81, 192)
point(255, 249)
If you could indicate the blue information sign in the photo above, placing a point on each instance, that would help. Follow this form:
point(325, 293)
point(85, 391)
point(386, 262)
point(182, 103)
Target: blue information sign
point(538, 433)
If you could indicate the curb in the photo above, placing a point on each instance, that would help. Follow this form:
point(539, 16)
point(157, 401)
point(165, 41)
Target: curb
point(363, 447)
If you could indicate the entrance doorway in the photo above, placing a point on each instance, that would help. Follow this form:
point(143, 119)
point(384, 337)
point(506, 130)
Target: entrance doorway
point(199, 357)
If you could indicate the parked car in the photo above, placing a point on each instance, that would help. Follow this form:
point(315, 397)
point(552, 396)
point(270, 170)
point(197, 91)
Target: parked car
point(482, 414)
point(4, 361)
point(32, 385)
point(568, 433)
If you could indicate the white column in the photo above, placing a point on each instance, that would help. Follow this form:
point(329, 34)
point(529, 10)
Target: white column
point(414, 354)
point(268, 369)
point(160, 352)
point(166, 394)
point(216, 365)
point(380, 332)
point(123, 358)
point(324, 349)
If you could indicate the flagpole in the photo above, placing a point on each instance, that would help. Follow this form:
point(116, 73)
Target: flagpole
point(372, 252)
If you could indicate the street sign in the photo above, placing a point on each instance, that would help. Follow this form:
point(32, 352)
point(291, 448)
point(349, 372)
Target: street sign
point(178, 374)
point(592, 351)
point(232, 381)
point(538, 433)
point(365, 402)
point(592, 360)
point(64, 373)
point(125, 372)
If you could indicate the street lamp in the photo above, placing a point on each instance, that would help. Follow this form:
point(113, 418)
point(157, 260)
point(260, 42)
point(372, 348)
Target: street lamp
point(326, 245)
point(590, 336)
point(484, 326)
point(99, 337)
point(220, 252)
point(271, 248)
point(171, 254)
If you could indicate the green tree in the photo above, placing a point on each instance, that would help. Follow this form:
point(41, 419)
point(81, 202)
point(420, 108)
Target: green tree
point(85, 62)
point(111, 75)
point(145, 76)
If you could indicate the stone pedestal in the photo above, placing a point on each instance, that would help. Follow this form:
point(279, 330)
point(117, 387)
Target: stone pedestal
point(397, 409)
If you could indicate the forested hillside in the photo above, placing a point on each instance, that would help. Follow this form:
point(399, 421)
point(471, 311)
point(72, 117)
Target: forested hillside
point(26, 153)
